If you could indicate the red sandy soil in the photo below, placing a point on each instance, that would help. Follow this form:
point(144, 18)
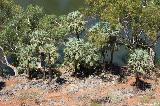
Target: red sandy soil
point(70, 100)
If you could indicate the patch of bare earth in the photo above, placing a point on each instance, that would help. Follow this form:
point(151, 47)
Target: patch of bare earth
point(90, 92)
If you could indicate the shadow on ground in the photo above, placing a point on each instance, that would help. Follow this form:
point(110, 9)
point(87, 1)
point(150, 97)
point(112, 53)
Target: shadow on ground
point(2, 85)
point(142, 85)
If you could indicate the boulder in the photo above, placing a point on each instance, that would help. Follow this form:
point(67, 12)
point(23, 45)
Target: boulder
point(5, 68)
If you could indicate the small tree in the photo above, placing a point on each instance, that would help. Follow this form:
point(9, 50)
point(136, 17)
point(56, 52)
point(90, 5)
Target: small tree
point(46, 49)
point(8, 9)
point(33, 14)
point(27, 59)
point(140, 63)
point(135, 16)
point(51, 52)
point(56, 27)
point(104, 38)
point(18, 29)
point(78, 52)
point(40, 42)
point(76, 23)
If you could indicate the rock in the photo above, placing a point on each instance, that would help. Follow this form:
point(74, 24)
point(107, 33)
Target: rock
point(13, 69)
point(5, 67)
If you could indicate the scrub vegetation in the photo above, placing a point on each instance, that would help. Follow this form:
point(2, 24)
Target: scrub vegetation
point(61, 55)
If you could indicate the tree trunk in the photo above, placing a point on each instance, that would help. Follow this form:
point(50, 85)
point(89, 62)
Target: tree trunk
point(137, 80)
point(77, 34)
point(75, 67)
point(50, 70)
point(112, 53)
point(50, 74)
point(103, 61)
point(44, 73)
point(43, 64)
point(1, 72)
point(28, 71)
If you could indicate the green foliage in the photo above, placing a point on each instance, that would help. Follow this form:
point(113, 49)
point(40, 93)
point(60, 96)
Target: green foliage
point(140, 61)
point(33, 14)
point(27, 57)
point(50, 50)
point(9, 39)
point(13, 30)
point(18, 29)
point(157, 2)
point(138, 15)
point(104, 38)
point(47, 22)
point(99, 34)
point(44, 43)
point(28, 33)
point(57, 27)
point(76, 22)
point(79, 52)
point(40, 37)
point(151, 20)
point(8, 9)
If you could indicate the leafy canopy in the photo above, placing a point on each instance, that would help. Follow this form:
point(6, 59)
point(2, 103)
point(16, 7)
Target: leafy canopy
point(140, 15)
point(79, 52)
point(140, 61)
point(101, 35)
point(76, 22)
point(27, 57)
point(8, 9)
point(56, 27)
point(18, 28)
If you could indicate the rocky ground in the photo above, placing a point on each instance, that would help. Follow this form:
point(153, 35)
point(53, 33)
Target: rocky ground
point(71, 91)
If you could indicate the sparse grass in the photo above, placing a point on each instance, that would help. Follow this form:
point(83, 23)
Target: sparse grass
point(145, 99)
point(28, 96)
point(156, 103)
point(111, 96)
point(95, 104)
point(115, 96)
point(25, 97)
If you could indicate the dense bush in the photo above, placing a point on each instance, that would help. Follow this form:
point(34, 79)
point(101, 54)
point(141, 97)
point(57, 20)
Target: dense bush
point(140, 62)
point(27, 59)
point(56, 27)
point(8, 9)
point(51, 51)
point(104, 38)
point(76, 23)
point(33, 36)
point(79, 52)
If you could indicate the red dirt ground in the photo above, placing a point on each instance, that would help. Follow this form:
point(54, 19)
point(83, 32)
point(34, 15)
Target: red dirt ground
point(70, 100)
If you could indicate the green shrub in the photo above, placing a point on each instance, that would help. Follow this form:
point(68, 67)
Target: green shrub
point(51, 50)
point(8, 9)
point(56, 27)
point(140, 63)
point(27, 58)
point(104, 38)
point(76, 22)
point(79, 52)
